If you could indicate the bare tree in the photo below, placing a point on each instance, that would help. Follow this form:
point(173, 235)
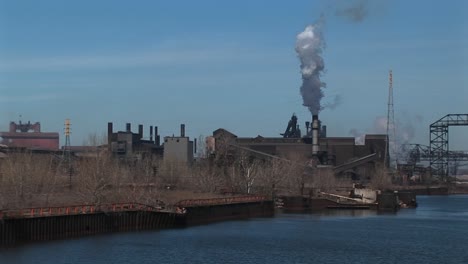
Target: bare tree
point(95, 139)
point(273, 174)
point(247, 169)
point(381, 179)
point(297, 174)
point(26, 179)
point(93, 176)
point(170, 173)
point(207, 177)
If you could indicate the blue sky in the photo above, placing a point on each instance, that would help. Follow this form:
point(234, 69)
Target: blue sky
point(230, 64)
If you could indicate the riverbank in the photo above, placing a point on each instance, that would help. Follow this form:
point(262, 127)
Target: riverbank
point(42, 224)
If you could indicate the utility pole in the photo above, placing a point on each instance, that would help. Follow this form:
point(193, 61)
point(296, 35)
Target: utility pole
point(391, 132)
point(67, 150)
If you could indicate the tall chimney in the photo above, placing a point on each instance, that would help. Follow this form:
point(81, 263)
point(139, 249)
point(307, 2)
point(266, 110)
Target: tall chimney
point(140, 131)
point(156, 136)
point(182, 130)
point(151, 133)
point(195, 145)
point(323, 133)
point(129, 127)
point(110, 131)
point(315, 132)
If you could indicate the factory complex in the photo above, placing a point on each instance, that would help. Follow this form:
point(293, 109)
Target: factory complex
point(341, 155)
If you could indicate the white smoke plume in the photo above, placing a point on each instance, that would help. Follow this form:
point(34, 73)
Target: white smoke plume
point(356, 12)
point(332, 105)
point(404, 130)
point(309, 47)
point(359, 137)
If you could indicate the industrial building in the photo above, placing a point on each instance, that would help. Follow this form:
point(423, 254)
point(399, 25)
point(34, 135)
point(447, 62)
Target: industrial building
point(126, 144)
point(29, 136)
point(340, 153)
point(179, 149)
point(129, 145)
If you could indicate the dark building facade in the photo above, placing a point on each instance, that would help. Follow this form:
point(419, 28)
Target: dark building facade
point(129, 145)
point(340, 153)
point(126, 144)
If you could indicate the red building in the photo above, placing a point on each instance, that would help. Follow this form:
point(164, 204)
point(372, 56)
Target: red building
point(29, 136)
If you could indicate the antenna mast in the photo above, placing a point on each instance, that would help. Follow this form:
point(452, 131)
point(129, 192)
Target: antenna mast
point(391, 132)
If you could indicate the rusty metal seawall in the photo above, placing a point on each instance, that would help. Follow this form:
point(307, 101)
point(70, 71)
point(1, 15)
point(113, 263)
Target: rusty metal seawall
point(49, 223)
point(204, 211)
point(40, 224)
point(222, 200)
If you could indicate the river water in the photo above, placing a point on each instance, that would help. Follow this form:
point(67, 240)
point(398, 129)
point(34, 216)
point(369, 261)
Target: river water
point(435, 232)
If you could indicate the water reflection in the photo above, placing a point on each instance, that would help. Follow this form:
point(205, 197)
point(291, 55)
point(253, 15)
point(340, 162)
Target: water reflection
point(341, 213)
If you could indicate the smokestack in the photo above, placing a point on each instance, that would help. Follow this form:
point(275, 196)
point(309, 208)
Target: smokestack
point(315, 131)
point(195, 145)
point(323, 133)
point(110, 130)
point(156, 136)
point(182, 130)
point(129, 127)
point(151, 133)
point(140, 131)
point(307, 123)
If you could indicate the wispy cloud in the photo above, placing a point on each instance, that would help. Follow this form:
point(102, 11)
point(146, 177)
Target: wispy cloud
point(28, 98)
point(141, 59)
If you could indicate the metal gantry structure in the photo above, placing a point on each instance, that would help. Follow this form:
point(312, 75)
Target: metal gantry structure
point(416, 153)
point(440, 156)
point(437, 154)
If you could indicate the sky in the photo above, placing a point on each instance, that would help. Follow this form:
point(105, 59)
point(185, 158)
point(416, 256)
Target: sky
point(230, 64)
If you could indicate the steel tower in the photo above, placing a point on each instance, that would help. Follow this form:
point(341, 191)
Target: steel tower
point(391, 132)
point(67, 149)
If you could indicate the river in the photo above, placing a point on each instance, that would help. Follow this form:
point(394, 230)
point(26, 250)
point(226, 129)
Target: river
point(435, 232)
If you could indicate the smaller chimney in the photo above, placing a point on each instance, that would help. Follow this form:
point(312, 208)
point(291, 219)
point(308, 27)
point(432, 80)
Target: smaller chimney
point(307, 123)
point(110, 131)
point(156, 136)
point(323, 133)
point(151, 133)
point(140, 131)
point(182, 130)
point(129, 127)
point(195, 145)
